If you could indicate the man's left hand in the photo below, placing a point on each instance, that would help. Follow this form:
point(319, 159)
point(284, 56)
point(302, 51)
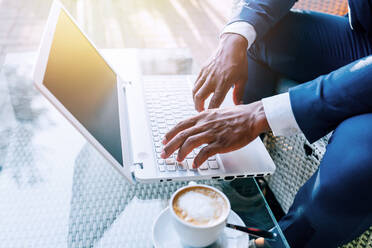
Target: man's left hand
point(224, 130)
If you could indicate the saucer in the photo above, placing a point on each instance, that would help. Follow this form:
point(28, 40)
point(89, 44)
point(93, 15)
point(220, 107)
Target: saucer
point(164, 235)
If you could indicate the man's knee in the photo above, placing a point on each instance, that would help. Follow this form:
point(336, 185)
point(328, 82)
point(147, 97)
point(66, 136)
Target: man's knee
point(353, 140)
point(342, 184)
point(346, 168)
point(339, 191)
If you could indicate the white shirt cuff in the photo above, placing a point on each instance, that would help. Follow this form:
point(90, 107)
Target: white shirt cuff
point(244, 29)
point(349, 15)
point(279, 115)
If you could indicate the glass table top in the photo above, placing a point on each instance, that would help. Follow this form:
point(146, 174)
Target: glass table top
point(56, 190)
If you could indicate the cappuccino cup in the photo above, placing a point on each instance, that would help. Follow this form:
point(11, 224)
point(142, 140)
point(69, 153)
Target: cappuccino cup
point(199, 214)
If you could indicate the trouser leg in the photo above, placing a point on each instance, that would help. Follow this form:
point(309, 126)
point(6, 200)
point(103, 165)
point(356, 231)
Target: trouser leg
point(301, 47)
point(335, 205)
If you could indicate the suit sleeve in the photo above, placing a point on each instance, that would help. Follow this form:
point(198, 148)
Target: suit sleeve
point(261, 14)
point(320, 105)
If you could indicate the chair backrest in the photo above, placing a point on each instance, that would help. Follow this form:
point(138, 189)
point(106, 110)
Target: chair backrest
point(296, 160)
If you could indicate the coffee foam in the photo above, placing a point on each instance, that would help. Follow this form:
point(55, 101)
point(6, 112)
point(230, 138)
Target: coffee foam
point(200, 206)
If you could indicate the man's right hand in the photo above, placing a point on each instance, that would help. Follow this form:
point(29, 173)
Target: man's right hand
point(227, 67)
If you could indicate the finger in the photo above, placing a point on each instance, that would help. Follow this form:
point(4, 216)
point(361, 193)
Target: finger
point(193, 142)
point(260, 242)
point(199, 81)
point(178, 140)
point(205, 153)
point(238, 92)
point(203, 93)
point(218, 96)
point(179, 127)
point(200, 74)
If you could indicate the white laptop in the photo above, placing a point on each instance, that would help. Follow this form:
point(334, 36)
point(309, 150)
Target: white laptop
point(126, 121)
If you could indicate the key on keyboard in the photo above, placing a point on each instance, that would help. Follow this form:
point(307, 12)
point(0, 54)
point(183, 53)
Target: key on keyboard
point(213, 165)
point(189, 164)
point(182, 166)
point(204, 166)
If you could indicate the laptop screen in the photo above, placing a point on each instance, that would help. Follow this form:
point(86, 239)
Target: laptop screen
point(82, 81)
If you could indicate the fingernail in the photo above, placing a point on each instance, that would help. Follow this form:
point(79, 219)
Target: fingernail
point(164, 141)
point(163, 154)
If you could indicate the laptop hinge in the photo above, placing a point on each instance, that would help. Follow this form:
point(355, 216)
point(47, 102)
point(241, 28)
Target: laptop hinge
point(124, 83)
point(134, 167)
point(138, 165)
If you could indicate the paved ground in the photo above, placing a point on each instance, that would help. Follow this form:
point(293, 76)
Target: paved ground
point(131, 23)
point(120, 23)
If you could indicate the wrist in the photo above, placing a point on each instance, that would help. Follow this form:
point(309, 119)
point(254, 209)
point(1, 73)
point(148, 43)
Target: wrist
point(236, 40)
point(261, 123)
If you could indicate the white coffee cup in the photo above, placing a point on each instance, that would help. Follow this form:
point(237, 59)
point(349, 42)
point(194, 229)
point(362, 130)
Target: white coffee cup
point(198, 235)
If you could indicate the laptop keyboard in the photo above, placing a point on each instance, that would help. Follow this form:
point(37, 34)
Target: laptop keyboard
point(168, 101)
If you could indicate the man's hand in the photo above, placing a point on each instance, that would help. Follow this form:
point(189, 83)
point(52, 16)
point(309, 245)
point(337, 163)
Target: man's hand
point(227, 67)
point(224, 130)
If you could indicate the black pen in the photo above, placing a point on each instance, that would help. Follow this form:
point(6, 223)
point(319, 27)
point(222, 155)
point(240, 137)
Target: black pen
point(255, 232)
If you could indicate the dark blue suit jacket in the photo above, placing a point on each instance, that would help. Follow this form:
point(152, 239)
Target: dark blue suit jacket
point(320, 105)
